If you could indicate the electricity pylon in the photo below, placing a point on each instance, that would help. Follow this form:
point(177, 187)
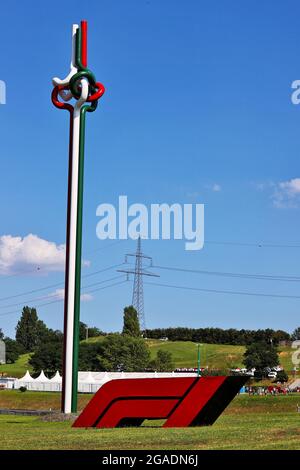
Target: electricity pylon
point(138, 288)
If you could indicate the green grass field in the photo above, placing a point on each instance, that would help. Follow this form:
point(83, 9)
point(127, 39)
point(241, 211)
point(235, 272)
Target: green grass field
point(248, 423)
point(184, 353)
point(19, 368)
point(215, 356)
point(14, 399)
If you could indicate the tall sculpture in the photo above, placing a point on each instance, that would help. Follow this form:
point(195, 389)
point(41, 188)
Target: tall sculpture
point(81, 85)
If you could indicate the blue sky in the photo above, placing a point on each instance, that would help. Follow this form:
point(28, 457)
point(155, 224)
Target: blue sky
point(198, 98)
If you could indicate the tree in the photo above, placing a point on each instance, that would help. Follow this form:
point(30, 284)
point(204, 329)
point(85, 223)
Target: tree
point(82, 331)
point(131, 325)
point(90, 331)
point(30, 331)
point(218, 335)
point(89, 356)
point(163, 361)
point(281, 377)
point(13, 350)
point(260, 355)
point(48, 356)
point(1, 334)
point(115, 352)
point(123, 352)
point(296, 334)
point(94, 331)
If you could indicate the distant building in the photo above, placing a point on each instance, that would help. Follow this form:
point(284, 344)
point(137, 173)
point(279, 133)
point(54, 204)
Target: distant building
point(2, 352)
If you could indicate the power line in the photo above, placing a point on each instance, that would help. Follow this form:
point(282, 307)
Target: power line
point(169, 268)
point(19, 273)
point(102, 270)
point(60, 300)
point(50, 286)
point(264, 277)
point(104, 247)
point(102, 282)
point(111, 285)
point(26, 302)
point(216, 291)
point(254, 244)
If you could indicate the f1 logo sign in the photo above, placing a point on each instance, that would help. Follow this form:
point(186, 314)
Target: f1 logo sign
point(182, 402)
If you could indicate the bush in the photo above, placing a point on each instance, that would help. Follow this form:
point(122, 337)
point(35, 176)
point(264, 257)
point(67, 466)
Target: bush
point(124, 352)
point(163, 361)
point(116, 352)
point(282, 377)
point(260, 356)
point(23, 389)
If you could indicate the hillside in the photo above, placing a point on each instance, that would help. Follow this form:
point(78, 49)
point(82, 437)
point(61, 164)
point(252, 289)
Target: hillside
point(17, 369)
point(215, 356)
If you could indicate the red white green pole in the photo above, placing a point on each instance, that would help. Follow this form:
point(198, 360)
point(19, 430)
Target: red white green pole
point(81, 85)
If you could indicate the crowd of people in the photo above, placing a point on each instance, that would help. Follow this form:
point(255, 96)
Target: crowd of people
point(269, 390)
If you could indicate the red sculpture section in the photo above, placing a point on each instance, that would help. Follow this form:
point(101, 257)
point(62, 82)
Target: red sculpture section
point(182, 402)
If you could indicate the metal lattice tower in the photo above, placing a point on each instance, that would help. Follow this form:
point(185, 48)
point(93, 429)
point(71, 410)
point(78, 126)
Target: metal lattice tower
point(138, 288)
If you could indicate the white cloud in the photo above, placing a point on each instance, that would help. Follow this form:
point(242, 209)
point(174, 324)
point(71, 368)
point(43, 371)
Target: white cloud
point(284, 194)
point(287, 194)
point(86, 297)
point(60, 295)
point(292, 187)
point(216, 187)
point(19, 254)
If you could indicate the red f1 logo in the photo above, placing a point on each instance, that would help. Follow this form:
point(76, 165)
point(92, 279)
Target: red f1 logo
point(183, 402)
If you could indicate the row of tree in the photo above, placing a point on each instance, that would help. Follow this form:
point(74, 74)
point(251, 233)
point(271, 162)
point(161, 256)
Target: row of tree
point(220, 336)
point(112, 352)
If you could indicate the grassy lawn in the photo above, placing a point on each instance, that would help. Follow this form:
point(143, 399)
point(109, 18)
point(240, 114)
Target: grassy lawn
point(248, 423)
point(14, 399)
point(184, 353)
point(19, 368)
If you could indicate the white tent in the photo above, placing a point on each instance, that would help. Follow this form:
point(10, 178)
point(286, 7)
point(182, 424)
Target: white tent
point(42, 382)
point(27, 378)
point(56, 383)
point(42, 377)
point(87, 384)
point(56, 378)
point(26, 381)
